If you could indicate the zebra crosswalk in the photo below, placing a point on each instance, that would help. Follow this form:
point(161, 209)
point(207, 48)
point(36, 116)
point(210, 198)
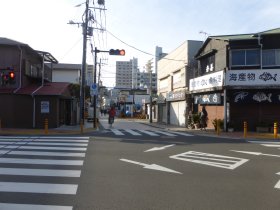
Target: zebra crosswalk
point(275, 144)
point(40, 166)
point(122, 132)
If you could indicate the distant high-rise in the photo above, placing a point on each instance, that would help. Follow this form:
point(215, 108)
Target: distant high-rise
point(124, 73)
point(158, 55)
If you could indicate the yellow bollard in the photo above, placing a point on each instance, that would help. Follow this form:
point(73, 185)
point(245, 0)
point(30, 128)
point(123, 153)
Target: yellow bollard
point(275, 130)
point(245, 129)
point(46, 126)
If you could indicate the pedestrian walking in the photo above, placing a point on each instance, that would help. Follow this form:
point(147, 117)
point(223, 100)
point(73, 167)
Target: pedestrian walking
point(203, 118)
point(112, 113)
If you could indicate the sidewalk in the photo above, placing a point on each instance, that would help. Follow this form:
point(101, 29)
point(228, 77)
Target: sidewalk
point(103, 124)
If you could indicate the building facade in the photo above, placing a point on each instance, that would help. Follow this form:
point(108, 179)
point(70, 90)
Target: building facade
point(26, 88)
point(124, 73)
point(174, 72)
point(239, 79)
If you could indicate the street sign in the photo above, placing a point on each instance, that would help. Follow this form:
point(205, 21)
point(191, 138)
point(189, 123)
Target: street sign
point(94, 89)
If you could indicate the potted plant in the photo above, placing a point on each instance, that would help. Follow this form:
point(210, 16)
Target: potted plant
point(217, 122)
point(196, 120)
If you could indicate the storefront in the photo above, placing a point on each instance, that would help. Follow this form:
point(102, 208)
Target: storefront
point(176, 103)
point(253, 96)
point(207, 91)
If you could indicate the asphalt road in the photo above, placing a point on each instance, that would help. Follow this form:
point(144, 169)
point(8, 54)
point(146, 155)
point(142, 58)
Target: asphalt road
point(133, 166)
point(199, 173)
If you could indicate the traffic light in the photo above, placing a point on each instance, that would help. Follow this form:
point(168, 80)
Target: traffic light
point(11, 77)
point(7, 77)
point(117, 52)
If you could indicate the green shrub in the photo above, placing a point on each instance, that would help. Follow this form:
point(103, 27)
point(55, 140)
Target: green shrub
point(217, 122)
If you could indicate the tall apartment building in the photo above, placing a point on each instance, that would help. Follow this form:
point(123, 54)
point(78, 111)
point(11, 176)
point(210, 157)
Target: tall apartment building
point(124, 72)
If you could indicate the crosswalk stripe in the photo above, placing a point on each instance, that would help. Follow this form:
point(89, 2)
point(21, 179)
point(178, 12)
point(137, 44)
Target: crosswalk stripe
point(149, 133)
point(43, 143)
point(182, 134)
point(44, 148)
point(66, 154)
point(11, 206)
point(41, 161)
point(165, 133)
point(117, 132)
point(271, 145)
point(40, 172)
point(38, 188)
point(133, 132)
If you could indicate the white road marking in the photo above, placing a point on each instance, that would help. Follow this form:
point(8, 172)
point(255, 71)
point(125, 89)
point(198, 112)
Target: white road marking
point(66, 154)
point(41, 161)
point(117, 132)
point(159, 148)
point(38, 188)
point(42, 140)
point(221, 161)
point(264, 142)
point(40, 172)
point(255, 153)
point(11, 206)
point(181, 133)
point(165, 133)
point(44, 144)
point(45, 148)
point(277, 185)
point(271, 145)
point(151, 166)
point(149, 133)
point(133, 132)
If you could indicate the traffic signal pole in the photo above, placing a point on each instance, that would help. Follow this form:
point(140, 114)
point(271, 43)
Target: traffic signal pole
point(111, 52)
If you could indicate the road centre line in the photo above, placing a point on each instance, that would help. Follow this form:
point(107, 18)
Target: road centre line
point(40, 172)
point(38, 188)
point(12, 206)
point(41, 161)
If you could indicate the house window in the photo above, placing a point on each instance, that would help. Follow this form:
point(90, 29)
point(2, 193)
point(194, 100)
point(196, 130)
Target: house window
point(245, 57)
point(271, 57)
point(207, 64)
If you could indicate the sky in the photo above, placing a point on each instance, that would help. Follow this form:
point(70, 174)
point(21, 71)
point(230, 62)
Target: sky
point(137, 26)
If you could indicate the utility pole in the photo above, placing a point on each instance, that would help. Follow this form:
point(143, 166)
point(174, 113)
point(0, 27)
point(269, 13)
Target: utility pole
point(149, 69)
point(94, 82)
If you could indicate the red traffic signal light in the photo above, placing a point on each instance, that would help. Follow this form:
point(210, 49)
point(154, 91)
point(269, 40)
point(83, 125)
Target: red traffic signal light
point(117, 52)
point(12, 75)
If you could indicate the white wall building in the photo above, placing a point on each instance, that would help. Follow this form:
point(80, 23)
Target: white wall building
point(174, 71)
point(65, 72)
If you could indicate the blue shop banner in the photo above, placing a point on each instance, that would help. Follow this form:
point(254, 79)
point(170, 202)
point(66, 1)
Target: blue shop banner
point(208, 99)
point(260, 96)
